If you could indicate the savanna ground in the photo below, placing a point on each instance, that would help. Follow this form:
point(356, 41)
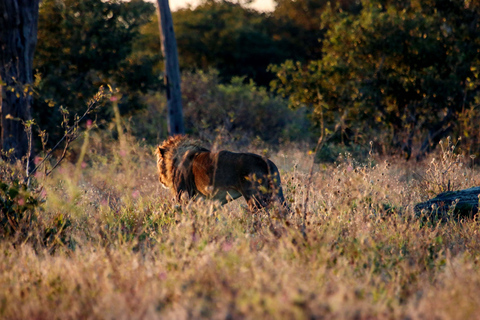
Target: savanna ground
point(109, 242)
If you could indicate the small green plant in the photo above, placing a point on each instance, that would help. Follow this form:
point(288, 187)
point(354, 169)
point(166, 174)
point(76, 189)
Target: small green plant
point(20, 194)
point(17, 207)
point(19, 201)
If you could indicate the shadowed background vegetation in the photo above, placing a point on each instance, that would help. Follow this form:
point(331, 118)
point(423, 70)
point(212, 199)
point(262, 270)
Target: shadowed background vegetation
point(403, 74)
point(380, 80)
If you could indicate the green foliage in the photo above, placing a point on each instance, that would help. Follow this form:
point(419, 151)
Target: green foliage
point(58, 232)
point(18, 203)
point(228, 37)
point(300, 25)
point(238, 41)
point(332, 152)
point(397, 68)
point(22, 218)
point(297, 24)
point(85, 44)
point(241, 110)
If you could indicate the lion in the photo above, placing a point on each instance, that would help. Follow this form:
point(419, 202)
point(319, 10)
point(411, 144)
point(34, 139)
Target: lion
point(187, 168)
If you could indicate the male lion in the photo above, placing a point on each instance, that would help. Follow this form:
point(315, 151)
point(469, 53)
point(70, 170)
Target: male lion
point(187, 168)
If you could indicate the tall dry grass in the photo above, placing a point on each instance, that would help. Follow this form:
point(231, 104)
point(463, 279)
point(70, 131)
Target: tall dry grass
point(122, 249)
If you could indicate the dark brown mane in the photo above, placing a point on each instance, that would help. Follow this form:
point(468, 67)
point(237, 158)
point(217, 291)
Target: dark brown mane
point(170, 154)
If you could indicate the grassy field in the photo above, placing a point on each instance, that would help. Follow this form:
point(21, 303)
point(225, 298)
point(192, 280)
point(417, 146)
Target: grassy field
point(110, 243)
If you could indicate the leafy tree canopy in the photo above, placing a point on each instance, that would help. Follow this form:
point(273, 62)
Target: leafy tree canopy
point(229, 37)
point(299, 24)
point(407, 69)
point(88, 43)
point(239, 41)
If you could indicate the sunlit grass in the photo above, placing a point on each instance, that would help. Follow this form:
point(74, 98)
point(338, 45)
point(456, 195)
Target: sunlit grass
point(119, 247)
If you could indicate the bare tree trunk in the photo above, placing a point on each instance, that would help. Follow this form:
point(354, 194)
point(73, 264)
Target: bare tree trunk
point(172, 70)
point(18, 38)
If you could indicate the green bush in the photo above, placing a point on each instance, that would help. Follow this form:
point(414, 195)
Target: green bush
point(242, 111)
point(22, 217)
point(17, 202)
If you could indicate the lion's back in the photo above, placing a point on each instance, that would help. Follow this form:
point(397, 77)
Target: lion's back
point(236, 167)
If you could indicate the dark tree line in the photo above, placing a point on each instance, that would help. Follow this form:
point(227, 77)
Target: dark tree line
point(85, 44)
point(401, 73)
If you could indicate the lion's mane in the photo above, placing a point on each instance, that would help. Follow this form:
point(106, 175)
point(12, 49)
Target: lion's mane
point(174, 148)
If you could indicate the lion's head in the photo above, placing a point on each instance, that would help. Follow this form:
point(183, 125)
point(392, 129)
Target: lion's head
point(170, 153)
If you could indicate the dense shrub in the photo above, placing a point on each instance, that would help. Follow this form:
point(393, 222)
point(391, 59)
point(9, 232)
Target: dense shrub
point(403, 73)
point(240, 110)
point(22, 215)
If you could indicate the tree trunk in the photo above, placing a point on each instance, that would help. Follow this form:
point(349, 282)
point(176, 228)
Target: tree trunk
point(172, 69)
point(462, 203)
point(18, 38)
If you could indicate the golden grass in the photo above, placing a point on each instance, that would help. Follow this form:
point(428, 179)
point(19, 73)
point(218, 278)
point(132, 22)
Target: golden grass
point(124, 250)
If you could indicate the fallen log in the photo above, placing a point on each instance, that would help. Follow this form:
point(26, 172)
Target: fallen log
point(462, 203)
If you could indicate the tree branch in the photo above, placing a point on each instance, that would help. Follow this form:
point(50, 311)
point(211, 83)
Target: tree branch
point(68, 135)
